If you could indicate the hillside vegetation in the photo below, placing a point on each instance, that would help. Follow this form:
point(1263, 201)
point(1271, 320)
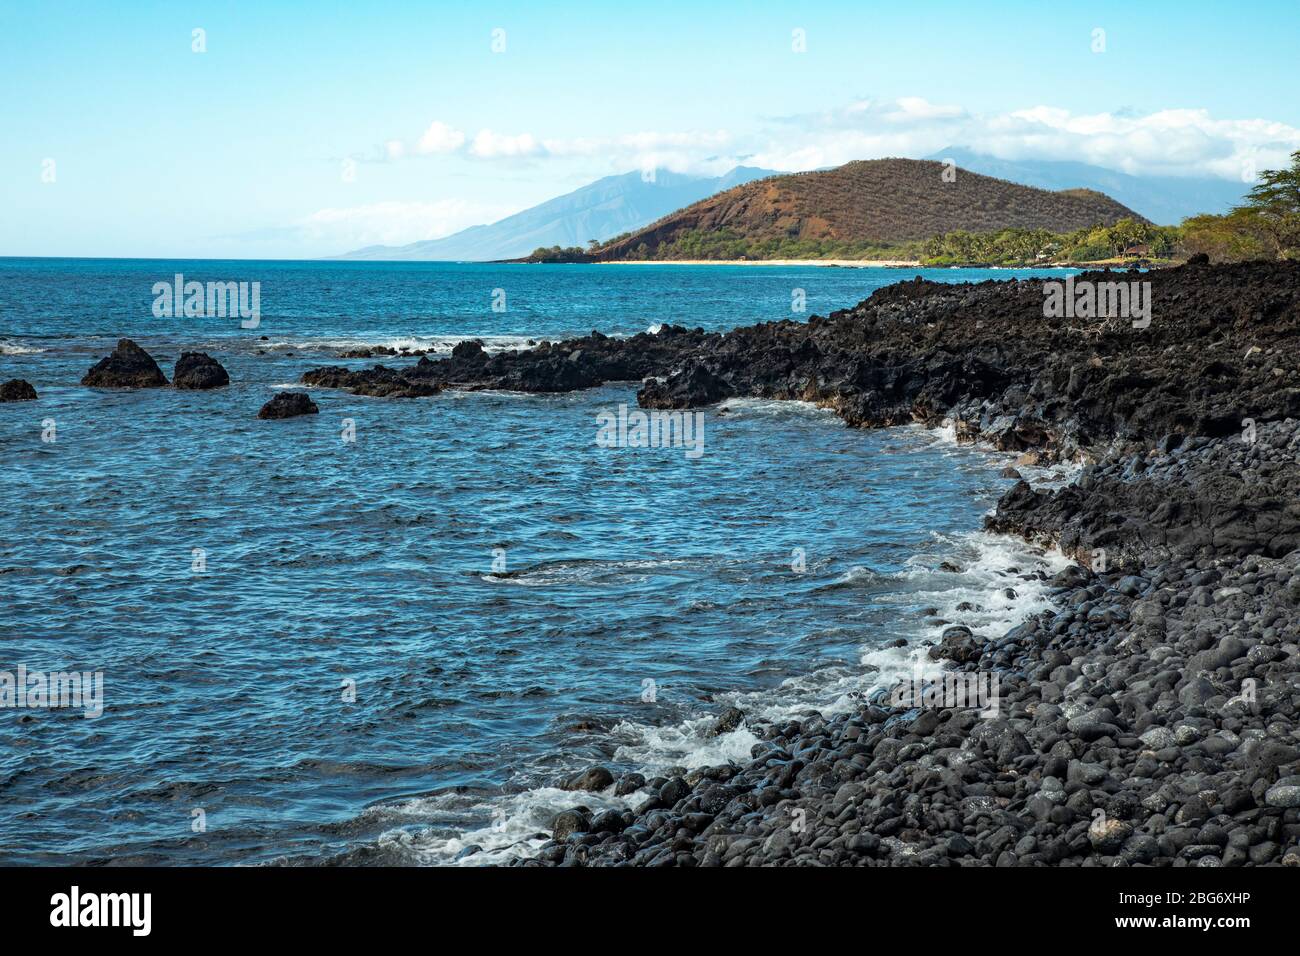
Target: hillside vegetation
point(1266, 225)
point(860, 210)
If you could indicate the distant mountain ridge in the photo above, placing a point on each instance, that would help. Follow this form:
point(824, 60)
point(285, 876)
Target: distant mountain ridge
point(877, 202)
point(601, 210)
point(632, 201)
point(1166, 200)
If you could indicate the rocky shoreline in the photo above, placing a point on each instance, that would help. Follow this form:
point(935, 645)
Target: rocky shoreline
point(1151, 718)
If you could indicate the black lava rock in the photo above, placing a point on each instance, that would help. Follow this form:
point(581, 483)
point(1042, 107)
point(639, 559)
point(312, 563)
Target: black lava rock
point(17, 390)
point(129, 366)
point(198, 370)
point(597, 778)
point(288, 405)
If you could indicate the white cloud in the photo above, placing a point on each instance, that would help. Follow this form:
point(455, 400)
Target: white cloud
point(1170, 142)
point(676, 150)
point(440, 138)
point(490, 145)
point(913, 108)
point(698, 151)
point(716, 139)
point(1176, 142)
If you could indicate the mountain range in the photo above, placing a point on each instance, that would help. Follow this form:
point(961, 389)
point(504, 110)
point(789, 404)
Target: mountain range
point(1166, 200)
point(601, 210)
point(629, 202)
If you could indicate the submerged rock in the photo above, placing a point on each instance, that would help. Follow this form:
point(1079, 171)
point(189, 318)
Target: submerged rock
point(597, 778)
point(198, 370)
point(727, 721)
point(379, 381)
point(629, 783)
point(957, 644)
point(129, 366)
point(288, 405)
point(17, 390)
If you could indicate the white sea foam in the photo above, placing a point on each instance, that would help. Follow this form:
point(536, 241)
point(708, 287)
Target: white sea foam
point(463, 393)
point(437, 344)
point(946, 434)
point(681, 745)
point(858, 574)
point(990, 564)
point(777, 407)
point(986, 565)
point(1038, 476)
point(10, 347)
point(512, 825)
point(555, 573)
point(982, 567)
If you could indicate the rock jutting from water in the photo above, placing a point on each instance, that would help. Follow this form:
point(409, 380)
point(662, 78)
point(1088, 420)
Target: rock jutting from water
point(17, 390)
point(128, 366)
point(198, 370)
point(982, 355)
point(289, 405)
point(1150, 717)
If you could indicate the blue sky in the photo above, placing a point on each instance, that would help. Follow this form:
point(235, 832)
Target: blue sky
point(307, 129)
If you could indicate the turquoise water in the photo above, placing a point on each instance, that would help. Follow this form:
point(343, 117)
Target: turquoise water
point(347, 674)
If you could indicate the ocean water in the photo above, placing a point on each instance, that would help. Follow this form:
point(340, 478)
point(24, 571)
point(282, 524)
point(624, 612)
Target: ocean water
point(390, 649)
